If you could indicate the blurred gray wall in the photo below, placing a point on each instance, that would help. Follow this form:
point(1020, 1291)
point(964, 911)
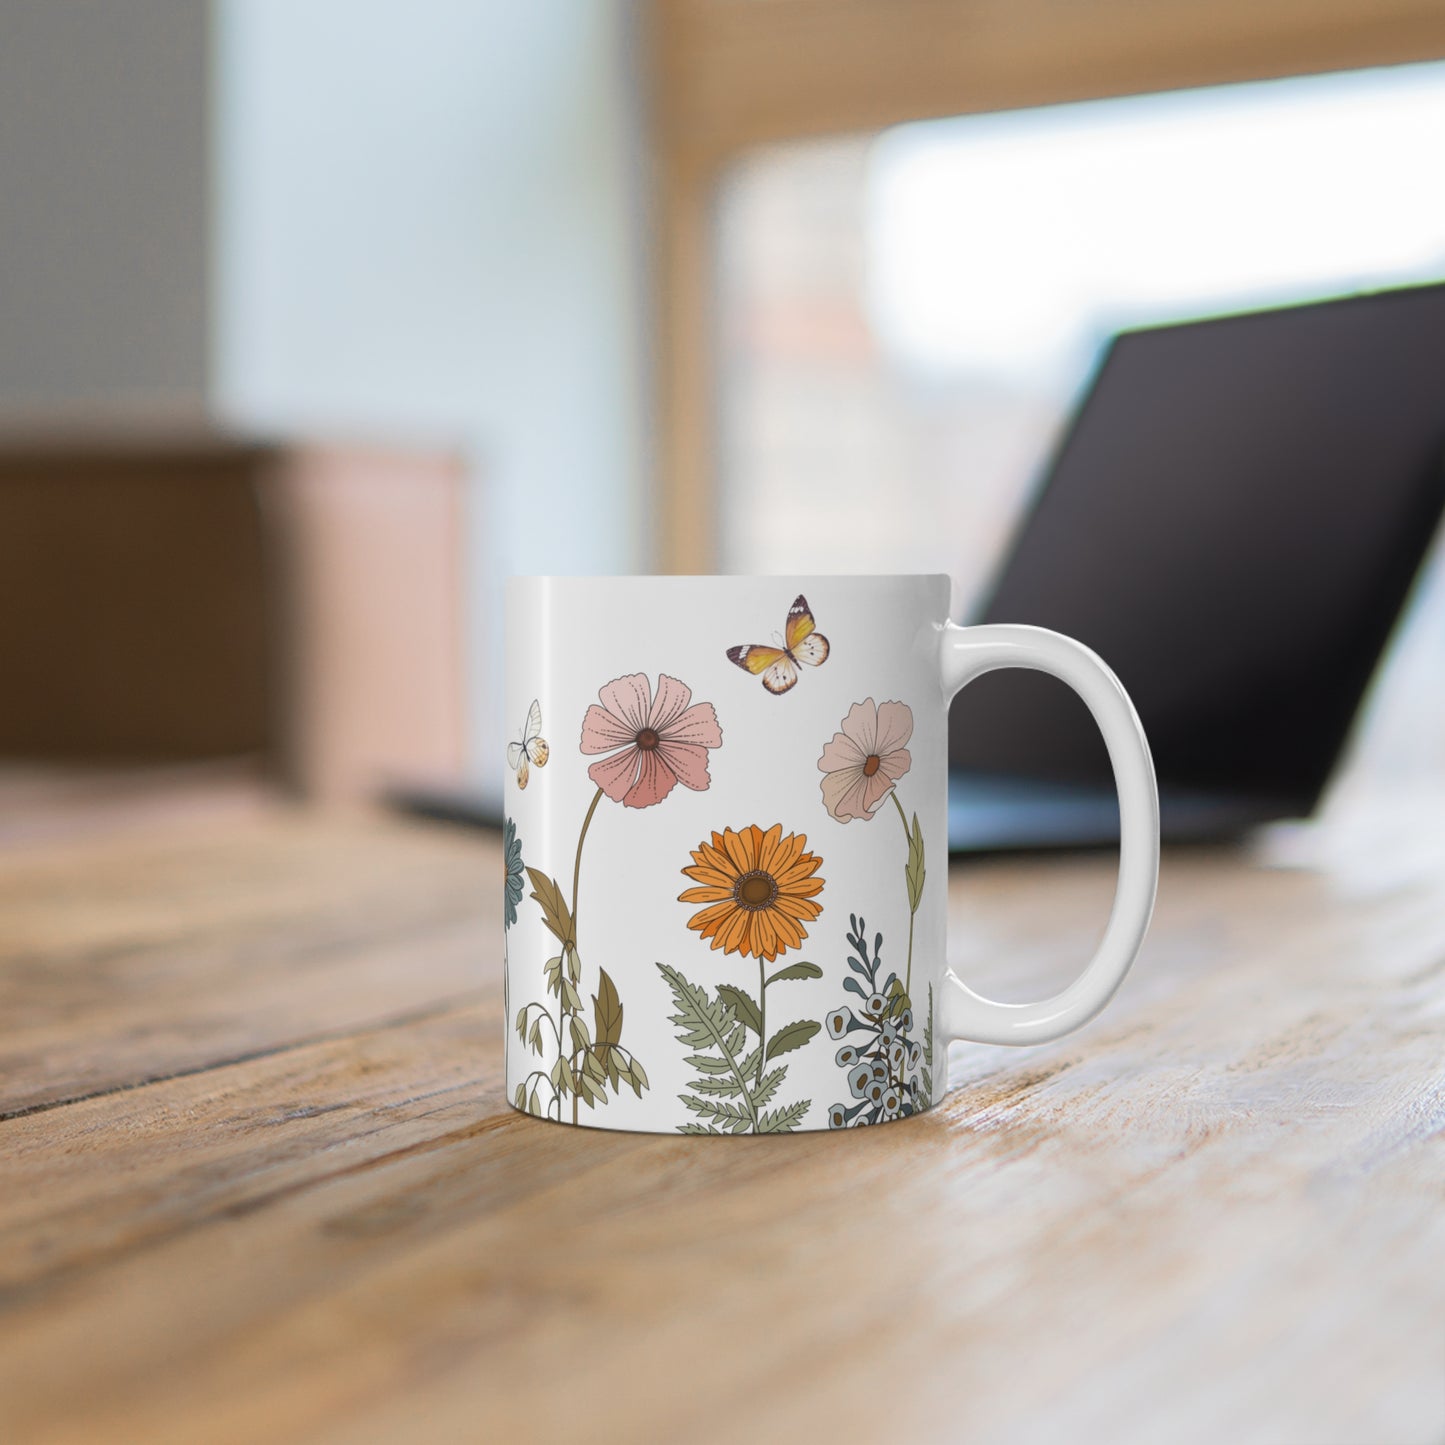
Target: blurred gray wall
point(427, 222)
point(104, 176)
point(384, 219)
point(430, 221)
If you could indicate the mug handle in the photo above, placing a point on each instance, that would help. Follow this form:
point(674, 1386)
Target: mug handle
point(969, 652)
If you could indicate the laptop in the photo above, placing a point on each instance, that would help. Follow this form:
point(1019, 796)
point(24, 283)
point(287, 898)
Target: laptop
point(1233, 521)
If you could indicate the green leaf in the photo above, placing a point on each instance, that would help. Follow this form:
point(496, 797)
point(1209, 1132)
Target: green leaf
point(697, 1129)
point(521, 1096)
point(607, 1010)
point(742, 1005)
point(555, 913)
point(926, 1093)
point(928, 1031)
point(703, 1023)
point(571, 999)
point(791, 1036)
point(705, 1065)
point(522, 1025)
point(719, 1086)
point(797, 970)
point(784, 1120)
point(639, 1077)
point(765, 1091)
point(580, 1040)
point(552, 969)
point(719, 1111)
point(914, 872)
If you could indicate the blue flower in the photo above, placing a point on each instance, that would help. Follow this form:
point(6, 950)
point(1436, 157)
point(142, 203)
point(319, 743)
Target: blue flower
point(513, 846)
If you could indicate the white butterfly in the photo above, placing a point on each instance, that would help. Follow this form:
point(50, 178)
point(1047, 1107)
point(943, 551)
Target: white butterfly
point(531, 746)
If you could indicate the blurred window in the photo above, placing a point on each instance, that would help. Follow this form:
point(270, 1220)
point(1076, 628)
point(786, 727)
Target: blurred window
point(905, 319)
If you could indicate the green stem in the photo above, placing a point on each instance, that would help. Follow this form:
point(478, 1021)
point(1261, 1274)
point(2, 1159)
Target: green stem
point(912, 912)
point(577, 866)
point(576, 875)
point(908, 974)
point(722, 1045)
point(762, 1017)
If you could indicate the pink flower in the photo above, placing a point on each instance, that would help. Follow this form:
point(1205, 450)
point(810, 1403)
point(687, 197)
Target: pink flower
point(864, 761)
point(655, 743)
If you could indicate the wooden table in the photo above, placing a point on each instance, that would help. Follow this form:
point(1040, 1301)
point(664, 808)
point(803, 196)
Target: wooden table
point(258, 1180)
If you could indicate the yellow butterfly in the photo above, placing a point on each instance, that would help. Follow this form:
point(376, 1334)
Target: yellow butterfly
point(529, 747)
point(779, 665)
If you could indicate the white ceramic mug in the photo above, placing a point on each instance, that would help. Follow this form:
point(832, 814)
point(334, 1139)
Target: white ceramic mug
point(726, 849)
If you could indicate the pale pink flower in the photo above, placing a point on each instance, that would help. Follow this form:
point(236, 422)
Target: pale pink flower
point(654, 743)
point(864, 761)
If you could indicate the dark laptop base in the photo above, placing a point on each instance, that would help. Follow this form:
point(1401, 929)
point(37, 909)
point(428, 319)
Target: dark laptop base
point(995, 815)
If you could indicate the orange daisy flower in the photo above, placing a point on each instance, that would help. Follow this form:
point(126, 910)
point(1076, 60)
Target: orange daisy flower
point(759, 889)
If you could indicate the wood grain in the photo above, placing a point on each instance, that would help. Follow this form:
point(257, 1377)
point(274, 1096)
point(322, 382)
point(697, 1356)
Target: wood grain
point(125, 961)
point(1214, 1214)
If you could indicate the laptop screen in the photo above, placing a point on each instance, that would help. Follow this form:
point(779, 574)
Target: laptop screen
point(1232, 522)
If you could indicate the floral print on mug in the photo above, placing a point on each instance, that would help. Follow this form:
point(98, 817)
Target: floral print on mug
point(890, 1074)
point(760, 888)
point(651, 744)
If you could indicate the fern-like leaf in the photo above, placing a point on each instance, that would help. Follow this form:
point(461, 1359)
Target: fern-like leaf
point(771, 1080)
point(702, 1022)
point(784, 1120)
point(728, 1096)
point(705, 1065)
point(709, 1023)
point(720, 1111)
point(724, 1086)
